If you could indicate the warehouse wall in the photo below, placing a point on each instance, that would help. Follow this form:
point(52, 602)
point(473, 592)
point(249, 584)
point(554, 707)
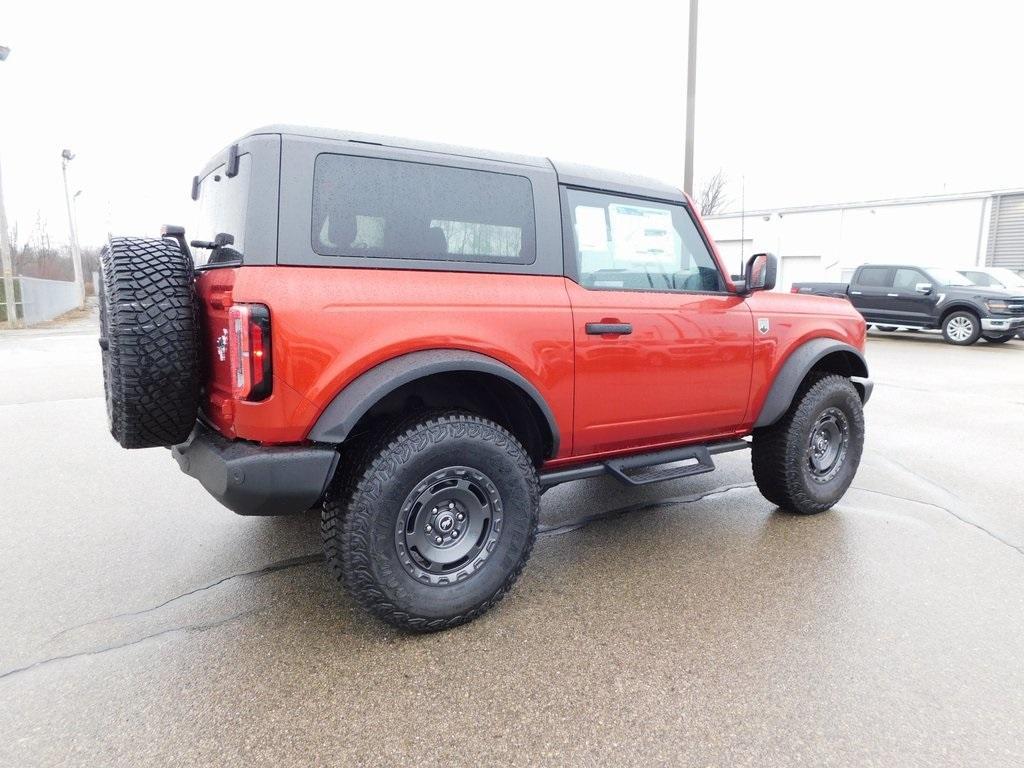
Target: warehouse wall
point(829, 244)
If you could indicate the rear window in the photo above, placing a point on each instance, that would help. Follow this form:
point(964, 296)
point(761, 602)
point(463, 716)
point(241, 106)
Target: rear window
point(392, 209)
point(222, 206)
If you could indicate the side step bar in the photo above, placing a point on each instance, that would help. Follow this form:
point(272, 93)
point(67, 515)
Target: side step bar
point(644, 468)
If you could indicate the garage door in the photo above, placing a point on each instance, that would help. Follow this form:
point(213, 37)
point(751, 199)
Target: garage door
point(1006, 233)
point(798, 269)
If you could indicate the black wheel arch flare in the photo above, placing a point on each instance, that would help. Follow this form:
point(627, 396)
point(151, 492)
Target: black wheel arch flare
point(828, 354)
point(367, 389)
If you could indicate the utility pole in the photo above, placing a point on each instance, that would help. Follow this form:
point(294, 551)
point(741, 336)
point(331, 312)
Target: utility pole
point(6, 257)
point(76, 255)
point(691, 92)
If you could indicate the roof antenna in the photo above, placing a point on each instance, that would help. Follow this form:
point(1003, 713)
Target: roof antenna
point(743, 220)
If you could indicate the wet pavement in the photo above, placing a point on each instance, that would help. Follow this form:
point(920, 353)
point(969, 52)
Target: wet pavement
point(686, 623)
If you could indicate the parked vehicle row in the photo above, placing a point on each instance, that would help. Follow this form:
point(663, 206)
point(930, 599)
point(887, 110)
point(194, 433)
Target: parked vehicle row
point(904, 295)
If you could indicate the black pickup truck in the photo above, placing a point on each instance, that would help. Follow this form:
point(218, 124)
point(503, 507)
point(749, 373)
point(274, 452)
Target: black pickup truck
point(901, 295)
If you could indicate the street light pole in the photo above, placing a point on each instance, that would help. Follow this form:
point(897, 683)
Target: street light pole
point(5, 248)
point(691, 92)
point(76, 255)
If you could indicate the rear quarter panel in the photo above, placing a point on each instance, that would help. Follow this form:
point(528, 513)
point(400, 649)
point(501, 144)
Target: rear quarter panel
point(794, 319)
point(329, 325)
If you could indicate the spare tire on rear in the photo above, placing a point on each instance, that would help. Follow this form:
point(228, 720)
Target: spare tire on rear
point(149, 337)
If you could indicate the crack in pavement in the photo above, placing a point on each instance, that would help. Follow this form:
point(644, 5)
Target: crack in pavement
point(280, 565)
point(1019, 548)
point(295, 562)
point(958, 515)
point(128, 644)
point(918, 475)
point(551, 530)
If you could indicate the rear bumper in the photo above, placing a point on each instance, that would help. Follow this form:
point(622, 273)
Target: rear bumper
point(253, 479)
point(1004, 324)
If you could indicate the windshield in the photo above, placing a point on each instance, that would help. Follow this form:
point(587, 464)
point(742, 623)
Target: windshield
point(945, 276)
point(1007, 277)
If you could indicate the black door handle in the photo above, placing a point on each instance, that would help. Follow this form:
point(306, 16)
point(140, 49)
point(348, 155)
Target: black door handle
point(609, 329)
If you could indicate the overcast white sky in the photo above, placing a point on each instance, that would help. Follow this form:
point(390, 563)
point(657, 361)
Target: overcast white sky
point(808, 101)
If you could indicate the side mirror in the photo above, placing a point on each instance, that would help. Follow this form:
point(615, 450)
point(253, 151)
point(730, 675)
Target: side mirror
point(760, 273)
point(923, 288)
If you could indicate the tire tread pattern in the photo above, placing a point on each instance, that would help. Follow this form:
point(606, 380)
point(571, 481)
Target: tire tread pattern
point(351, 506)
point(777, 451)
point(149, 326)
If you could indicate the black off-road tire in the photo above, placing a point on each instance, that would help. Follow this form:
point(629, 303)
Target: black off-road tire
point(888, 328)
point(366, 514)
point(781, 452)
point(149, 341)
point(961, 328)
point(1000, 339)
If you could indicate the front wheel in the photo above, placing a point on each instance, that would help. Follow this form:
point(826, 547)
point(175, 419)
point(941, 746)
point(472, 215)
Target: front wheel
point(961, 328)
point(434, 525)
point(805, 462)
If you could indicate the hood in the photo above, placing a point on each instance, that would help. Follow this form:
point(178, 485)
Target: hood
point(983, 292)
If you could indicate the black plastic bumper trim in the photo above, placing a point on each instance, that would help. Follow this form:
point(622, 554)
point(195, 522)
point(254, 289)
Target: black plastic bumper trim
point(253, 479)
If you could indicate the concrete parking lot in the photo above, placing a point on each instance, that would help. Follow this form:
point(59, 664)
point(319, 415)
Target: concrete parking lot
point(689, 623)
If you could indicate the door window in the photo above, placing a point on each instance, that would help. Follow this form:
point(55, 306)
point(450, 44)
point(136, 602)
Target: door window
point(907, 279)
point(625, 243)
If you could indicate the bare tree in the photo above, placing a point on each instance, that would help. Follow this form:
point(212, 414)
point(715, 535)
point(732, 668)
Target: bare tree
point(711, 196)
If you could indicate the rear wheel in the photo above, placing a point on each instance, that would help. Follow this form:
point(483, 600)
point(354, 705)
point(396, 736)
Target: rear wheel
point(961, 328)
point(805, 462)
point(433, 525)
point(887, 328)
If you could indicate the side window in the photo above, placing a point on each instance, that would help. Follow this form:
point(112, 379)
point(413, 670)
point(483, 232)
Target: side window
point(907, 279)
point(979, 278)
point(875, 277)
point(634, 244)
point(394, 209)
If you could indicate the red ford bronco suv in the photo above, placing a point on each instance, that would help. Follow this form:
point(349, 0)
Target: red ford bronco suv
point(419, 339)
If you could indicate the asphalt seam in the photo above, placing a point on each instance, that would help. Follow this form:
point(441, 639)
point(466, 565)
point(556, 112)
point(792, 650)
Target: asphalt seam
point(1018, 548)
point(128, 644)
point(552, 530)
point(280, 565)
point(295, 562)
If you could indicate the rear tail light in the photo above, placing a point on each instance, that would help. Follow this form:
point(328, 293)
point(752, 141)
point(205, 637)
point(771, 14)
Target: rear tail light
point(794, 289)
point(249, 353)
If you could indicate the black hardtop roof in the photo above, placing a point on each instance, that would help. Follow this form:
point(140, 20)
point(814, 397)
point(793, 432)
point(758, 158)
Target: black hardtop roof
point(572, 174)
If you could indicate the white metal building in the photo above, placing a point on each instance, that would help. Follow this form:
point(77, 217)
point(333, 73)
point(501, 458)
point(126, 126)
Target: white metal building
point(827, 242)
